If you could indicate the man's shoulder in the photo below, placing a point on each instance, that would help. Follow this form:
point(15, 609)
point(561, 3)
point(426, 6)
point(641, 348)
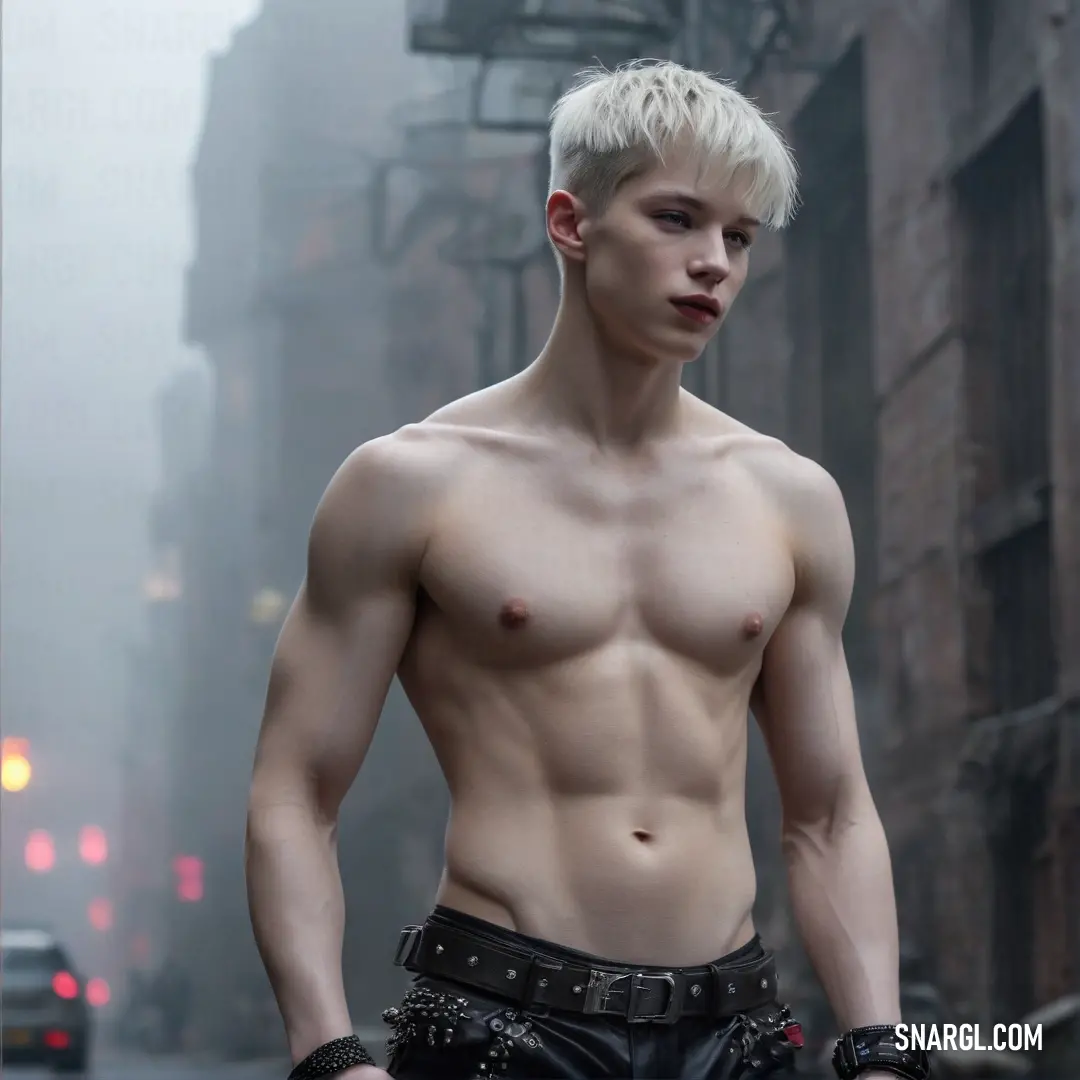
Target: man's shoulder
point(803, 492)
point(394, 477)
point(420, 458)
point(796, 481)
point(810, 506)
point(792, 478)
point(413, 456)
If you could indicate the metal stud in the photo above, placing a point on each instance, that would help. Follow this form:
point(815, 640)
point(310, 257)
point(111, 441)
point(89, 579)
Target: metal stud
point(577, 989)
point(439, 950)
point(511, 973)
point(472, 961)
point(695, 990)
point(542, 983)
point(764, 984)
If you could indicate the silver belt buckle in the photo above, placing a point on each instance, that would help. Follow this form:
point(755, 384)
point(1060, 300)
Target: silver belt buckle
point(599, 991)
point(671, 1011)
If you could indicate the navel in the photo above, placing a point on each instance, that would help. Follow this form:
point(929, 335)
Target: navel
point(514, 614)
point(752, 625)
point(642, 836)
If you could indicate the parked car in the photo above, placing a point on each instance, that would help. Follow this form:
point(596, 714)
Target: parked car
point(44, 1016)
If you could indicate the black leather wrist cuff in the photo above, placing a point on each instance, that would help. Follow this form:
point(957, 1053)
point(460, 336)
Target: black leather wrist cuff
point(331, 1058)
point(866, 1048)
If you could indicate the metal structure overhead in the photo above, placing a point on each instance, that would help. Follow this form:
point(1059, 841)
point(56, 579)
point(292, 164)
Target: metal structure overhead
point(556, 30)
point(506, 238)
point(759, 33)
point(434, 133)
point(751, 34)
point(527, 87)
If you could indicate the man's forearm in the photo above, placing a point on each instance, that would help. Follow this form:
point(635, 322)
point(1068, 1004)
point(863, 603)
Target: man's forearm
point(842, 893)
point(298, 915)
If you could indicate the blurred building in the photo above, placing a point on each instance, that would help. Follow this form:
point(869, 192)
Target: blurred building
point(142, 873)
point(921, 340)
point(288, 299)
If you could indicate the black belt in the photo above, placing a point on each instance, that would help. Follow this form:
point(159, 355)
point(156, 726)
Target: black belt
point(531, 979)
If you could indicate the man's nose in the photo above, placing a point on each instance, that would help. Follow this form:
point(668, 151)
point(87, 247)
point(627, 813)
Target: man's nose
point(712, 263)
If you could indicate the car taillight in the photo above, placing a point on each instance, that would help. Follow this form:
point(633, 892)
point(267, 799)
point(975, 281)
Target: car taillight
point(65, 985)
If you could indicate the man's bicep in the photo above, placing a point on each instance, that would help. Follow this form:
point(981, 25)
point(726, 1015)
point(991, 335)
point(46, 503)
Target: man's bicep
point(804, 701)
point(342, 640)
point(804, 705)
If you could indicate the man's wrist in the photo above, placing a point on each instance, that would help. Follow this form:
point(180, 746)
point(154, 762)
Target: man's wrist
point(866, 1052)
point(333, 1058)
point(305, 1042)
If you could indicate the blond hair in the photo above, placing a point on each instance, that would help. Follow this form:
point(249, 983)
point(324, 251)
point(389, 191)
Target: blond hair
point(611, 124)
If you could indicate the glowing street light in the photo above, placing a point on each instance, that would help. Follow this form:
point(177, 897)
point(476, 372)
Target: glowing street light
point(268, 607)
point(15, 770)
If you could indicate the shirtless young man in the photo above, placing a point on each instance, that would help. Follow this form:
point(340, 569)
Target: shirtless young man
point(585, 577)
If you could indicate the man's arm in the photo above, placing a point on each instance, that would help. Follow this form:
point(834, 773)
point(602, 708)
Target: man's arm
point(838, 859)
point(336, 657)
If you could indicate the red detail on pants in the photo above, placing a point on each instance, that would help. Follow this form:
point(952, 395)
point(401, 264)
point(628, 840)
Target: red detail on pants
point(793, 1034)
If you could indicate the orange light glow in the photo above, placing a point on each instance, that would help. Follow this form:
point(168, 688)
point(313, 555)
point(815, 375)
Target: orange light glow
point(15, 772)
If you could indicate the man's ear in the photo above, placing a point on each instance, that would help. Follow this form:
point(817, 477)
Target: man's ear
point(565, 213)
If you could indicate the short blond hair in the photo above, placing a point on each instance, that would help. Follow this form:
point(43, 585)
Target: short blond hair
point(611, 124)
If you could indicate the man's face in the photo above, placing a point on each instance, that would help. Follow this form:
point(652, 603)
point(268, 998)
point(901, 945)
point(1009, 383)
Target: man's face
point(666, 259)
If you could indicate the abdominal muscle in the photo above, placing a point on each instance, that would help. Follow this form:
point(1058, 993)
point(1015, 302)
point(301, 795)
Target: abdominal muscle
point(600, 811)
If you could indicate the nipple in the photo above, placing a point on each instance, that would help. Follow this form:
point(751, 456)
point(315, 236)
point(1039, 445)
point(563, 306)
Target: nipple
point(752, 625)
point(514, 614)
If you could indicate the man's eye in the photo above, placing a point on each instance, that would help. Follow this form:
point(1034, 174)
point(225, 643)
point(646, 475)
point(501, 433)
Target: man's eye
point(740, 239)
point(674, 217)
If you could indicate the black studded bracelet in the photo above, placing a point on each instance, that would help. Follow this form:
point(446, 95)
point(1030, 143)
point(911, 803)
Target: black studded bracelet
point(331, 1058)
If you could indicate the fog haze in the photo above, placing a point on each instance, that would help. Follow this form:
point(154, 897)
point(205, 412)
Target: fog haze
point(102, 109)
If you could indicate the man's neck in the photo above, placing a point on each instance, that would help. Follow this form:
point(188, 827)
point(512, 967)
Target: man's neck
point(612, 398)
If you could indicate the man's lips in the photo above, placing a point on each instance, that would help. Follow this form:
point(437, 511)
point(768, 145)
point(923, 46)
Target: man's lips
point(702, 310)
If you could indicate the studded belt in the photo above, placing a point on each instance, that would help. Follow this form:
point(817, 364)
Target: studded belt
point(638, 995)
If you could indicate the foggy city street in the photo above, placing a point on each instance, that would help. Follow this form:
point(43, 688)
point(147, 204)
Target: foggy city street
point(243, 237)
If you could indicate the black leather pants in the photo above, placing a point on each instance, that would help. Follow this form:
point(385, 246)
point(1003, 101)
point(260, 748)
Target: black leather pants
point(445, 1031)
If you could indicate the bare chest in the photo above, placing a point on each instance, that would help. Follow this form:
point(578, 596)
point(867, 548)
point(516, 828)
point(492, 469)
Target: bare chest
point(528, 573)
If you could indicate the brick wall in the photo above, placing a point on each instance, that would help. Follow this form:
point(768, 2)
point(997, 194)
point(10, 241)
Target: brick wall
point(926, 114)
